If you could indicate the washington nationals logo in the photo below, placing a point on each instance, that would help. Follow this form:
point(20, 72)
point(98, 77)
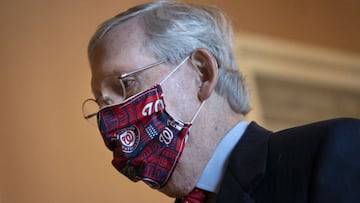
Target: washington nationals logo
point(129, 138)
point(166, 136)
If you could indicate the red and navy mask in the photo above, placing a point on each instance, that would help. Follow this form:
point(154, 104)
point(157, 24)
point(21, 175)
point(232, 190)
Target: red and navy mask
point(146, 141)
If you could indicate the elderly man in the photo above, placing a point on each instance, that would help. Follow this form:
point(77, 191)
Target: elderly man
point(171, 106)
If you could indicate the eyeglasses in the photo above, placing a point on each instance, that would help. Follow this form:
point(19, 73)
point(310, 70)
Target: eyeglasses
point(114, 85)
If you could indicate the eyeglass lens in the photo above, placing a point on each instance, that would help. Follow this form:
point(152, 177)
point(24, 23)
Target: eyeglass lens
point(110, 86)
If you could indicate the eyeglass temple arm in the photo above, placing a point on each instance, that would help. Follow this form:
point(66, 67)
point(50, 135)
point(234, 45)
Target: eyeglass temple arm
point(90, 116)
point(142, 68)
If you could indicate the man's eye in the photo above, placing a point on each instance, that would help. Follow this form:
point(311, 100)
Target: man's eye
point(130, 86)
point(128, 83)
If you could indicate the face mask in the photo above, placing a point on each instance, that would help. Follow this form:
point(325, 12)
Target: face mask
point(146, 140)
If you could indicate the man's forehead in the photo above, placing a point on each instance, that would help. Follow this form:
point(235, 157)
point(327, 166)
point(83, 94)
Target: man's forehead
point(124, 40)
point(122, 36)
point(120, 51)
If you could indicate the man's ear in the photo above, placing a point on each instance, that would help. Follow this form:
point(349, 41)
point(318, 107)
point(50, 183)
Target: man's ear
point(207, 66)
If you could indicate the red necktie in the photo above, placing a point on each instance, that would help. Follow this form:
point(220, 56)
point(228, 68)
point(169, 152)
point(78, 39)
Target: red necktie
point(195, 196)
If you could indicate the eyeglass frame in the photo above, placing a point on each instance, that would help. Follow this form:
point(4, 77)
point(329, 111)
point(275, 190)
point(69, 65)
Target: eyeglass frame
point(122, 76)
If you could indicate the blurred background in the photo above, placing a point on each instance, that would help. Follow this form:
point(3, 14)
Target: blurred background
point(301, 59)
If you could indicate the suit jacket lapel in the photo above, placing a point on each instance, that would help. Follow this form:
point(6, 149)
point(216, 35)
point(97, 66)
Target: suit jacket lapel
point(247, 165)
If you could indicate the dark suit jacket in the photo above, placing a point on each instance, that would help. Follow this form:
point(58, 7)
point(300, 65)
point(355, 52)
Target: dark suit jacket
point(315, 163)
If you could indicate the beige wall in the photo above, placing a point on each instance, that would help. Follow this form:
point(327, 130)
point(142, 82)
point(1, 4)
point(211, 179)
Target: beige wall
point(48, 153)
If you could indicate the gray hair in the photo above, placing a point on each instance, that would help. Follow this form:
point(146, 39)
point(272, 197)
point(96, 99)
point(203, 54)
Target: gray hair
point(174, 30)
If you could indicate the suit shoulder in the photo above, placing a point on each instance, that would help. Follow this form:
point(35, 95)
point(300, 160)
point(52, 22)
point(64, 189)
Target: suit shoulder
point(332, 126)
point(319, 134)
point(342, 127)
point(336, 172)
point(343, 134)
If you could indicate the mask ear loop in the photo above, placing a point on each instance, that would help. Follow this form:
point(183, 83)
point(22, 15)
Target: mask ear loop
point(193, 119)
point(197, 112)
point(175, 69)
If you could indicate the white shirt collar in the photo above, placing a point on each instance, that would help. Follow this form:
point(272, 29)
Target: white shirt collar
point(214, 170)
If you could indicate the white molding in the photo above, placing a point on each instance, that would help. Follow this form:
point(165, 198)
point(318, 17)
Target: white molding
point(280, 59)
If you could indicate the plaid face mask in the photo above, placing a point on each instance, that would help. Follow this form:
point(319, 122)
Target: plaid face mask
point(147, 142)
